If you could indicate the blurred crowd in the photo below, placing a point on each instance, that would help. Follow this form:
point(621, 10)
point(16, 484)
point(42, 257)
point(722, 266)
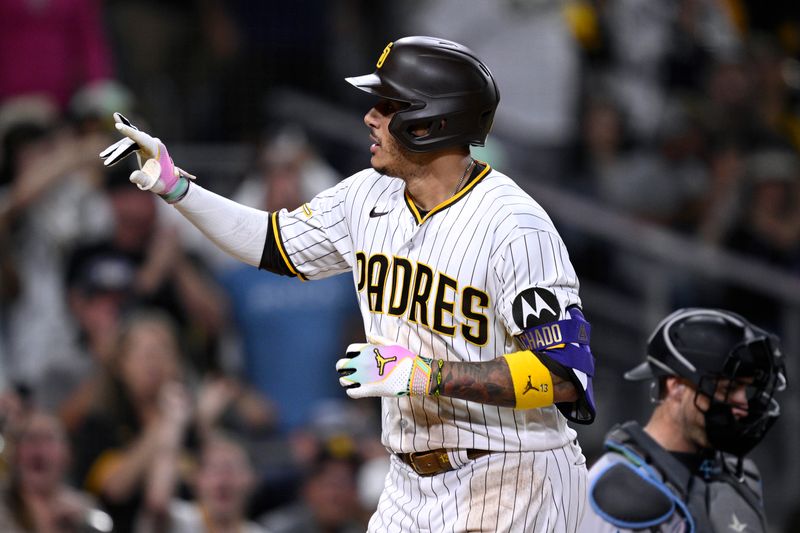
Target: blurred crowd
point(150, 383)
point(690, 120)
point(148, 386)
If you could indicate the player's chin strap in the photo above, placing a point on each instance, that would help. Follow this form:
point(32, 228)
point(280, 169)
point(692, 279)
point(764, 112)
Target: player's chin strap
point(563, 346)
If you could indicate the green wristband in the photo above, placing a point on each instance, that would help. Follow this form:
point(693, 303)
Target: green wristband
point(178, 192)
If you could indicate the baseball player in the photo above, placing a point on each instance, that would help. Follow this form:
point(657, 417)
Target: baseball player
point(715, 376)
point(476, 340)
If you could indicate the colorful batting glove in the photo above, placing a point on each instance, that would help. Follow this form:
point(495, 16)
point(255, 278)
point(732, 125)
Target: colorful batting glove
point(377, 370)
point(158, 173)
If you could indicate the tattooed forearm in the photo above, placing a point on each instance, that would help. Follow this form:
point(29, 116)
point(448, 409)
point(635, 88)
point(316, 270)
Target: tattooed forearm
point(490, 383)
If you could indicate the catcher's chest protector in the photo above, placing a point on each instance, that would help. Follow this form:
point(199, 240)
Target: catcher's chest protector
point(717, 501)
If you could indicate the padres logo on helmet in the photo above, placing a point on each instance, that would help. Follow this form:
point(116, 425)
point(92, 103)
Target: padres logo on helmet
point(384, 54)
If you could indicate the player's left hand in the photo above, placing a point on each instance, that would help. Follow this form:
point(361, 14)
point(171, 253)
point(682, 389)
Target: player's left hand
point(379, 368)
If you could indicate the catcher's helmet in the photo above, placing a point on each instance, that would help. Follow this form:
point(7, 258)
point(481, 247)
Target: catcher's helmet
point(447, 88)
point(708, 345)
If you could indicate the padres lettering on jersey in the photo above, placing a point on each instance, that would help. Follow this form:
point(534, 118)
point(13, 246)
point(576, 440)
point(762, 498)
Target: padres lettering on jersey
point(457, 284)
point(423, 296)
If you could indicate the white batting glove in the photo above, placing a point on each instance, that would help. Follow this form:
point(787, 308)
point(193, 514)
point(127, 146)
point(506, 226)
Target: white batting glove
point(158, 173)
point(375, 369)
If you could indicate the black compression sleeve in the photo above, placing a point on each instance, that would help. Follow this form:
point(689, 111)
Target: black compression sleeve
point(271, 258)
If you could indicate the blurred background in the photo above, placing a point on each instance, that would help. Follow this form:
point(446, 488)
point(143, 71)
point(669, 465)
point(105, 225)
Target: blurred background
point(149, 382)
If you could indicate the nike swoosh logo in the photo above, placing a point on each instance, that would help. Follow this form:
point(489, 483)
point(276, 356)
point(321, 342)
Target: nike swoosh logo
point(373, 213)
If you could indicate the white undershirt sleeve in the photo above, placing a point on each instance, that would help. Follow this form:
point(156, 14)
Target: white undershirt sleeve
point(238, 230)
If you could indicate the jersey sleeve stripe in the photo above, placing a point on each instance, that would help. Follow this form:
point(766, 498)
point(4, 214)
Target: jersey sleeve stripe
point(282, 249)
point(317, 258)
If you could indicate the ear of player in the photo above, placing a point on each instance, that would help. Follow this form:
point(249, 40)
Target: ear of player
point(377, 369)
point(158, 173)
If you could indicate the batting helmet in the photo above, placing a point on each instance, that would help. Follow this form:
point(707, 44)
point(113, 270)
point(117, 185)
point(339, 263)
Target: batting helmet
point(708, 345)
point(447, 89)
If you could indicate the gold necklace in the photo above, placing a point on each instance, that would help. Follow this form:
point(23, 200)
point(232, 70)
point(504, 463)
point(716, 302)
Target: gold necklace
point(464, 175)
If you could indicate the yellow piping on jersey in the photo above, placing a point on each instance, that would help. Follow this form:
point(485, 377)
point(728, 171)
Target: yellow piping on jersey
point(281, 249)
point(453, 199)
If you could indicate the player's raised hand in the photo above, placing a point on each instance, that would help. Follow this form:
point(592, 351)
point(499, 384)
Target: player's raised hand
point(375, 369)
point(122, 148)
point(158, 173)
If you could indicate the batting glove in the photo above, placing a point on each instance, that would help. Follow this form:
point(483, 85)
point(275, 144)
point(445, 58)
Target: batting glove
point(158, 173)
point(375, 369)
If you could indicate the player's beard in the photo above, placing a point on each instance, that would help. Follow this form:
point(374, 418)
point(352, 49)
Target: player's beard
point(399, 162)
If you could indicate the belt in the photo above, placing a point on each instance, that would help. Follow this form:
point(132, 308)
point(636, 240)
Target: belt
point(432, 462)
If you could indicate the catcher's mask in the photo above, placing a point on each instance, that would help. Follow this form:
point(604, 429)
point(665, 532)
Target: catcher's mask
point(446, 89)
point(718, 351)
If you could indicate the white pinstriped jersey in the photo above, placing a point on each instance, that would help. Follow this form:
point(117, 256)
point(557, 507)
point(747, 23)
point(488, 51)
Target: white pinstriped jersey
point(442, 285)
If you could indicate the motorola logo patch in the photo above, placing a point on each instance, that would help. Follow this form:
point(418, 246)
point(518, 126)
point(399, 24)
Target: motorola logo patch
point(534, 307)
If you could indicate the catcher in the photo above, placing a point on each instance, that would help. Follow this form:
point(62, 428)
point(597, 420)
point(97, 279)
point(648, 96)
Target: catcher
point(715, 378)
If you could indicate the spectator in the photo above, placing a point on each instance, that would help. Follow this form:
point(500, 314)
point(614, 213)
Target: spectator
point(658, 185)
point(656, 48)
point(647, 184)
point(722, 204)
point(775, 87)
point(130, 448)
point(340, 425)
point(337, 420)
point(93, 103)
point(164, 276)
point(226, 403)
point(37, 498)
point(770, 227)
point(753, 98)
point(727, 106)
point(222, 485)
point(51, 48)
point(15, 406)
point(333, 424)
point(288, 170)
point(162, 48)
point(49, 198)
point(328, 497)
point(97, 294)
